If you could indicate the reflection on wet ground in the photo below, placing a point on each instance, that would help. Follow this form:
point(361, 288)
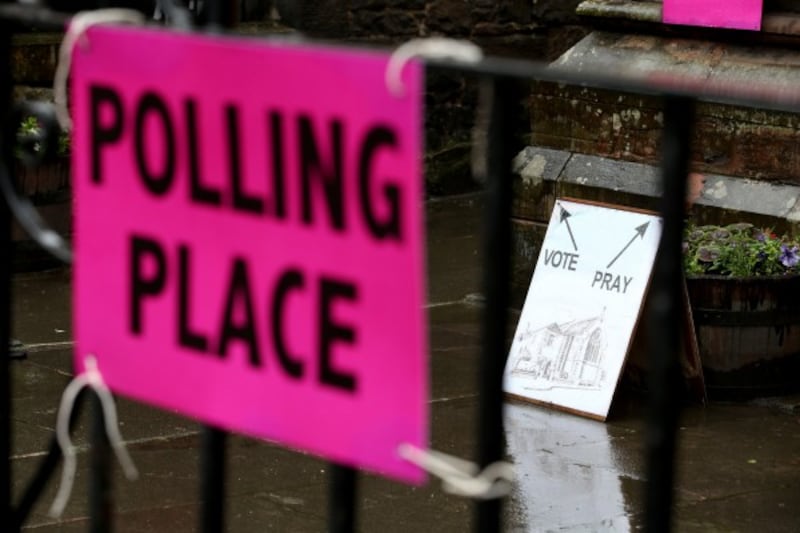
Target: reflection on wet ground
point(737, 468)
point(738, 464)
point(569, 471)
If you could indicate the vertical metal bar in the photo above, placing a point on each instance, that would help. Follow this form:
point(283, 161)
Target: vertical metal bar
point(342, 499)
point(45, 470)
point(221, 14)
point(100, 468)
point(6, 260)
point(502, 98)
point(664, 320)
point(212, 465)
point(100, 465)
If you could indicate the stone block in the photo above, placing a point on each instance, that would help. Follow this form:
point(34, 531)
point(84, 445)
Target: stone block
point(535, 173)
point(610, 181)
point(726, 200)
point(641, 10)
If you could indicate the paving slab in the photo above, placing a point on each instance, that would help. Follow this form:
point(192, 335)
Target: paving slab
point(738, 465)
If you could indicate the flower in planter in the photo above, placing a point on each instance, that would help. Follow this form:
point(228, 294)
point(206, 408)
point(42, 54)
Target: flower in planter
point(29, 138)
point(40, 175)
point(789, 257)
point(739, 250)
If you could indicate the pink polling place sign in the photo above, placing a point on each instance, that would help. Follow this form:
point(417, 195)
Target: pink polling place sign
point(249, 238)
point(735, 14)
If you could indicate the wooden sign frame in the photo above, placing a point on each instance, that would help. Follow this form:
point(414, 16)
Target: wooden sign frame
point(583, 306)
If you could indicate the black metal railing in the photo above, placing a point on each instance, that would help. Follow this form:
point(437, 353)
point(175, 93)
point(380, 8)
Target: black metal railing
point(504, 79)
point(7, 514)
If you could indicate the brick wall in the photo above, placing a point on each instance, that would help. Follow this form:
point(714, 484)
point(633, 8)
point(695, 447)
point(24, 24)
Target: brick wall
point(530, 29)
point(523, 28)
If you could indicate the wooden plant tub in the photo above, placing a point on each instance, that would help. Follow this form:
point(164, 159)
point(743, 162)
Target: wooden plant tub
point(748, 333)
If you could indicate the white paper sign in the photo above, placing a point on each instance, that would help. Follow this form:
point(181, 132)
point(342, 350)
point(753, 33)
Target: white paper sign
point(582, 307)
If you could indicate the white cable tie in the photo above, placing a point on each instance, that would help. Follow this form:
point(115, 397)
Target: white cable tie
point(461, 477)
point(429, 48)
point(91, 378)
point(78, 25)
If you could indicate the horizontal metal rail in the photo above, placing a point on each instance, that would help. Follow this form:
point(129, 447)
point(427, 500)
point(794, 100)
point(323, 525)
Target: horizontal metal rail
point(33, 15)
point(752, 94)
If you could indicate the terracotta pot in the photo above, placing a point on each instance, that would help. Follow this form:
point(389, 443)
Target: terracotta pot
point(748, 333)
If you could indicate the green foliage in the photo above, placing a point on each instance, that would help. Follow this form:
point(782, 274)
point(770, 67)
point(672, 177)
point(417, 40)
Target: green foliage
point(30, 127)
point(64, 146)
point(738, 250)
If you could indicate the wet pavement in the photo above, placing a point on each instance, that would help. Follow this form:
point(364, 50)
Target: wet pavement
point(738, 464)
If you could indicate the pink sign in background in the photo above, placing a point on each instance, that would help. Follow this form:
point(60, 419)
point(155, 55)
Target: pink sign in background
point(331, 89)
point(734, 14)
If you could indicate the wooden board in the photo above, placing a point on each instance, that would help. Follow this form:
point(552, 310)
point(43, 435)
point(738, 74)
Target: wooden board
point(582, 307)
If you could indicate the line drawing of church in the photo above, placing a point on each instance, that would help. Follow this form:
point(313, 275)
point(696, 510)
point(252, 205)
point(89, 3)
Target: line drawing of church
point(565, 355)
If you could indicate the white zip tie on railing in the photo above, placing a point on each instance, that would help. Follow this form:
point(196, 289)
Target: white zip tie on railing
point(461, 477)
point(91, 378)
point(78, 25)
point(430, 48)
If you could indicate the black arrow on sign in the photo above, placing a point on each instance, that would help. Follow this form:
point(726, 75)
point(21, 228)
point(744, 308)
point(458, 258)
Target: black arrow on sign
point(565, 218)
point(639, 233)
